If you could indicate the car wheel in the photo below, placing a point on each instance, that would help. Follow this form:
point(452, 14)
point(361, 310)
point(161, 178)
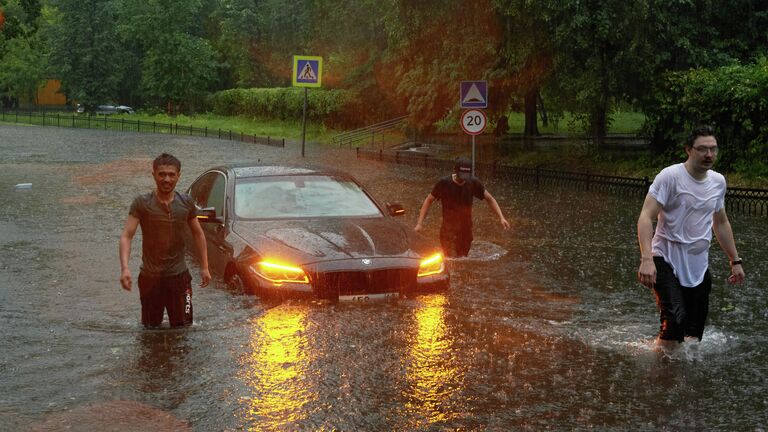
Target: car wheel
point(235, 283)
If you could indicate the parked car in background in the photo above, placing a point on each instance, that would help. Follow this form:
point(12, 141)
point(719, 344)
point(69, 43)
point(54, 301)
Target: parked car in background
point(108, 109)
point(279, 231)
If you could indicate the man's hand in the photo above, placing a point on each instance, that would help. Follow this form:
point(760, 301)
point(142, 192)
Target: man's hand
point(647, 272)
point(737, 274)
point(418, 227)
point(504, 223)
point(205, 277)
point(125, 279)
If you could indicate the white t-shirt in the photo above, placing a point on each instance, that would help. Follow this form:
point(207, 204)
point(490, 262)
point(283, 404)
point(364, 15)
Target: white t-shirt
point(684, 229)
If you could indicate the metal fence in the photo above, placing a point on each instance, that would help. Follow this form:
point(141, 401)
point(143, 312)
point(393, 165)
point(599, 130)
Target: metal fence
point(369, 134)
point(744, 201)
point(85, 121)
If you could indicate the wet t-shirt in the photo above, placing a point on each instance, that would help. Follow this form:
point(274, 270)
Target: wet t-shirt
point(684, 228)
point(162, 231)
point(456, 201)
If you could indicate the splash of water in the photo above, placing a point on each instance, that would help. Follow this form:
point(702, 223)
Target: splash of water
point(483, 251)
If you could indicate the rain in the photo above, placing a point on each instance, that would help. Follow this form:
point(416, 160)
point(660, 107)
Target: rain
point(544, 326)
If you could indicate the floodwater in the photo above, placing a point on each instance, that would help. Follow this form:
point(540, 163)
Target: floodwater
point(544, 328)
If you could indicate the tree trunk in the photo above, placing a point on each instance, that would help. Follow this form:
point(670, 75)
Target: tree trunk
point(600, 125)
point(531, 125)
point(542, 110)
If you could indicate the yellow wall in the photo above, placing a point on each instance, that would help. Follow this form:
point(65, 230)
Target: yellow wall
point(49, 94)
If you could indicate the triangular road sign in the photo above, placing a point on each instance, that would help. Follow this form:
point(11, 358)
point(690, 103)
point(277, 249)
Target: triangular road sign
point(473, 95)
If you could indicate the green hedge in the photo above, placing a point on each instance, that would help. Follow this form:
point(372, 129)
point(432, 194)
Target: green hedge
point(734, 99)
point(281, 103)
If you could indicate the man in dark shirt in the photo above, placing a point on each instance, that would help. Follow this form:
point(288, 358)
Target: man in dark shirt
point(456, 193)
point(164, 280)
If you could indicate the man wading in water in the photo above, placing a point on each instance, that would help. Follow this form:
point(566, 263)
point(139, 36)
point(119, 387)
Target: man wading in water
point(456, 194)
point(164, 214)
point(689, 201)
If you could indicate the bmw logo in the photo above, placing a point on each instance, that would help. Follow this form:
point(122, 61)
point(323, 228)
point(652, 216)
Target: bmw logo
point(366, 261)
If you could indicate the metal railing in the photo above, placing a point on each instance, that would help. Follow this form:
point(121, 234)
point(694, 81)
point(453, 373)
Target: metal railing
point(367, 134)
point(85, 121)
point(746, 201)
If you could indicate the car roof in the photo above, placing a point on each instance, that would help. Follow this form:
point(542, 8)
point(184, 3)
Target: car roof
point(245, 170)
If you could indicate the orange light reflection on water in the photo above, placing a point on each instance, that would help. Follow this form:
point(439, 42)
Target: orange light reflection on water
point(276, 370)
point(432, 373)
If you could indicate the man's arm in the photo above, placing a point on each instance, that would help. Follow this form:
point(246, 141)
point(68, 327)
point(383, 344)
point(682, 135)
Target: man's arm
point(724, 233)
point(131, 224)
point(647, 272)
point(423, 212)
point(202, 250)
point(496, 209)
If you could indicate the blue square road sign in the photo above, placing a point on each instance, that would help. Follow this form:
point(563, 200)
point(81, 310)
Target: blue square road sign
point(474, 94)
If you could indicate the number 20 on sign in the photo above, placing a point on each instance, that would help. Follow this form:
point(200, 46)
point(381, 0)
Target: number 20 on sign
point(473, 121)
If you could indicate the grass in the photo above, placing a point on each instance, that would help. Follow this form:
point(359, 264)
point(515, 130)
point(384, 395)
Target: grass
point(622, 123)
point(290, 129)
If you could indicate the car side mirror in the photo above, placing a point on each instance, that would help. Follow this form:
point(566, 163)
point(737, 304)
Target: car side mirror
point(208, 215)
point(395, 209)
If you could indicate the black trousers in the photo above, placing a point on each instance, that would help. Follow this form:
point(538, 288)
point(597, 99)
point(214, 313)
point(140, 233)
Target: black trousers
point(682, 310)
point(456, 242)
point(171, 293)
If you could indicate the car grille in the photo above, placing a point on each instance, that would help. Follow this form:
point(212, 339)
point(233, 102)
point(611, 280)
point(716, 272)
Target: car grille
point(368, 282)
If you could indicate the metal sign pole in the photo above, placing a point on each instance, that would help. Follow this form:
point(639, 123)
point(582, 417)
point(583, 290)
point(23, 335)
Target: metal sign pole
point(304, 123)
point(473, 156)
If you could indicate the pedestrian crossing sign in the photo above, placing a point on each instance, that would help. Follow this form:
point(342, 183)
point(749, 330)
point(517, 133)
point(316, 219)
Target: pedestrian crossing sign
point(474, 94)
point(307, 71)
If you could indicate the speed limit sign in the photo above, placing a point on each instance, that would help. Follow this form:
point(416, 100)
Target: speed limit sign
point(473, 121)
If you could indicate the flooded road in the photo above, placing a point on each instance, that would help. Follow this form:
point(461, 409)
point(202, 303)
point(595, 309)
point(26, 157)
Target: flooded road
point(544, 328)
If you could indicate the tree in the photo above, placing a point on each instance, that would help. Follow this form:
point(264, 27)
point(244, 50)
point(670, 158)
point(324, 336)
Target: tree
point(178, 63)
point(596, 57)
point(525, 58)
point(178, 69)
point(85, 51)
point(22, 54)
point(425, 62)
point(23, 68)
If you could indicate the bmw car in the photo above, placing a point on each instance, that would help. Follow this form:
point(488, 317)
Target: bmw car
point(294, 231)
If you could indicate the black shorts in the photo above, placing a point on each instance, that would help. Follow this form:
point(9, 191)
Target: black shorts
point(455, 243)
point(683, 310)
point(171, 293)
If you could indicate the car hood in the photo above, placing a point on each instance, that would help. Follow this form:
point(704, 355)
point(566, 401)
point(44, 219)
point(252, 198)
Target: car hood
point(321, 239)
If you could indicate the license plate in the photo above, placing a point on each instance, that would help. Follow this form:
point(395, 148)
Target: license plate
point(368, 297)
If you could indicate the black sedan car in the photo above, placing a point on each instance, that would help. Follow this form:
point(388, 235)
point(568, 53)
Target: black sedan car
point(277, 230)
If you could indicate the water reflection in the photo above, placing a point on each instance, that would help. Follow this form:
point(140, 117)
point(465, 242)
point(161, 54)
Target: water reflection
point(276, 368)
point(161, 364)
point(432, 372)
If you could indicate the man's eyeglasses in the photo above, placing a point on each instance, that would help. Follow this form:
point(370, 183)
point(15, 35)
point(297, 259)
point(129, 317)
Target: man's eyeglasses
point(703, 150)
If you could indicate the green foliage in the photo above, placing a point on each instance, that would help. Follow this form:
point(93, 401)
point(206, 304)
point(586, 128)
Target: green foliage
point(177, 69)
point(734, 99)
point(23, 54)
point(85, 50)
point(177, 64)
point(281, 103)
point(425, 63)
point(23, 66)
point(585, 58)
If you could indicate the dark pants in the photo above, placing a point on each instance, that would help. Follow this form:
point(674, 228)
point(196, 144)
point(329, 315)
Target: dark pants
point(171, 293)
point(455, 243)
point(683, 310)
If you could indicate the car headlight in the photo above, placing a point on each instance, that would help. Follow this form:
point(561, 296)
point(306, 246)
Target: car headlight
point(431, 265)
point(279, 273)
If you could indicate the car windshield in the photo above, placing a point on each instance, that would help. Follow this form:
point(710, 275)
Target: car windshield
point(291, 197)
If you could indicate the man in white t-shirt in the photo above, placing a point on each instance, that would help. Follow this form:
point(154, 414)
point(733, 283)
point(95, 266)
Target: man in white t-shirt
point(689, 201)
